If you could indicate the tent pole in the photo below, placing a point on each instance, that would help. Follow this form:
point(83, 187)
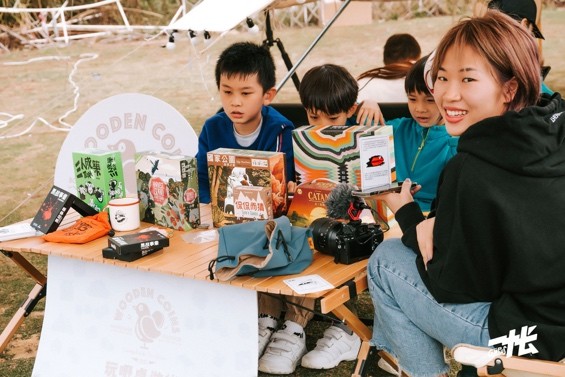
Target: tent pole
point(270, 41)
point(293, 69)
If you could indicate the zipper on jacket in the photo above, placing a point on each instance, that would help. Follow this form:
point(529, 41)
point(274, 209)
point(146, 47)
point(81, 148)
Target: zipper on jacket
point(422, 143)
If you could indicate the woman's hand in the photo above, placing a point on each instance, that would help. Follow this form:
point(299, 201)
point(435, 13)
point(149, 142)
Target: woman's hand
point(369, 113)
point(395, 200)
point(425, 233)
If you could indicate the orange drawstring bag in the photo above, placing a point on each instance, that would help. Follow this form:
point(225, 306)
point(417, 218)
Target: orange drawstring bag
point(84, 230)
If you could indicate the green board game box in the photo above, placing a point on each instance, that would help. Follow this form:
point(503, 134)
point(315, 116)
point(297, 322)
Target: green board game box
point(99, 176)
point(167, 186)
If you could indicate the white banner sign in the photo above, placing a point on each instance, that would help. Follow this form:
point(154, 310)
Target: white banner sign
point(107, 321)
point(128, 123)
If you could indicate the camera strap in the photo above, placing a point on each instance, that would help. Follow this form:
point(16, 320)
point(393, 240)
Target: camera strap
point(352, 288)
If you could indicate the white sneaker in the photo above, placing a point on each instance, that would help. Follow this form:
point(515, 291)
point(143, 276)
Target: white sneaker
point(336, 346)
point(267, 326)
point(387, 367)
point(287, 346)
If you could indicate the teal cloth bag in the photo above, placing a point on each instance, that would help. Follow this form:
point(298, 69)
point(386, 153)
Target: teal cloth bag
point(262, 248)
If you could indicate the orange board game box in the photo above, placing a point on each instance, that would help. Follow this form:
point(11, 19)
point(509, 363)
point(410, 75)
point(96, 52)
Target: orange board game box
point(230, 168)
point(308, 203)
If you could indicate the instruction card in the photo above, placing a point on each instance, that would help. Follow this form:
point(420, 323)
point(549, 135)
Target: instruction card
point(308, 284)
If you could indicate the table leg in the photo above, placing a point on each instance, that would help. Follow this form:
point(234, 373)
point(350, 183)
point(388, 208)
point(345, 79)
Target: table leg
point(335, 302)
point(353, 322)
point(36, 294)
point(367, 356)
point(366, 352)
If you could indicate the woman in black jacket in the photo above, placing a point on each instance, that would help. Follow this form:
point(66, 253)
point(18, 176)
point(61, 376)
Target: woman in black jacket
point(486, 266)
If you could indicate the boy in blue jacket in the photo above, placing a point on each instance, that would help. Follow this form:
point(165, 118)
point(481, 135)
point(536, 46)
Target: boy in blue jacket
point(245, 76)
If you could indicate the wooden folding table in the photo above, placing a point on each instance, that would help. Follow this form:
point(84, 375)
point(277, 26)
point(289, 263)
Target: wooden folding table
point(191, 261)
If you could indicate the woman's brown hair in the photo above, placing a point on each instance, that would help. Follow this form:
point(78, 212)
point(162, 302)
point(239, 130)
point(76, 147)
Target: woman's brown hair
point(508, 47)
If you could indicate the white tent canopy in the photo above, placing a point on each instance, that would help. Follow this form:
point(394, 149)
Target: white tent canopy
point(223, 15)
point(219, 15)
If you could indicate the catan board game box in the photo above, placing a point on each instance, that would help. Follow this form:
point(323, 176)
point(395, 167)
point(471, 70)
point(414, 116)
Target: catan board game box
point(99, 176)
point(380, 207)
point(231, 168)
point(167, 186)
point(309, 202)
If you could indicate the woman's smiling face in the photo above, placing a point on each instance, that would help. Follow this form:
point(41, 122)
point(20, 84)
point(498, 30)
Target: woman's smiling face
point(467, 91)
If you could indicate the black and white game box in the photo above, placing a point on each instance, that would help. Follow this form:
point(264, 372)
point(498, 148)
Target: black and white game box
point(133, 246)
point(54, 208)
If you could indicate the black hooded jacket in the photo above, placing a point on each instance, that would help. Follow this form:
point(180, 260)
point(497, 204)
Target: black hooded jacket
point(499, 233)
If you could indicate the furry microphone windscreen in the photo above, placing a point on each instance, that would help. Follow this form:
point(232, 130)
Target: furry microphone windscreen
point(339, 200)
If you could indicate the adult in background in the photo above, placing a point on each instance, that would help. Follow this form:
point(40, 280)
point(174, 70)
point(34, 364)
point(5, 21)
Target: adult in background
point(386, 84)
point(488, 260)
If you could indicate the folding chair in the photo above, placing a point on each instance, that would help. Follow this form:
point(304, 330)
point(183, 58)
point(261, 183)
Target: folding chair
point(490, 363)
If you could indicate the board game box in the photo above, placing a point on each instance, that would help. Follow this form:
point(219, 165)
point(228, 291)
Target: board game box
point(308, 202)
point(231, 168)
point(167, 186)
point(110, 253)
point(99, 176)
point(252, 203)
point(360, 155)
point(136, 245)
point(54, 208)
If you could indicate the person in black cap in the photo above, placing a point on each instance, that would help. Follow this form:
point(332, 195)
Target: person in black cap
point(524, 11)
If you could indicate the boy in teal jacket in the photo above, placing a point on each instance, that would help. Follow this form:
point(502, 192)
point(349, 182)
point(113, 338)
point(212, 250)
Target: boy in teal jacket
point(422, 146)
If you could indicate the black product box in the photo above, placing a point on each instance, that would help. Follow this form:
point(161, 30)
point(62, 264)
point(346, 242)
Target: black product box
point(110, 253)
point(55, 207)
point(133, 246)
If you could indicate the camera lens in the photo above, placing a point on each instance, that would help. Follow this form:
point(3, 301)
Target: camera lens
point(325, 233)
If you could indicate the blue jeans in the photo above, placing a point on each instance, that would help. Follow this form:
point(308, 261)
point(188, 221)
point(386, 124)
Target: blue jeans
point(409, 323)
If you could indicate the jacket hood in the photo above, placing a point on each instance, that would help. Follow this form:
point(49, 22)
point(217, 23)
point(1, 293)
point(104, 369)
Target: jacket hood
point(529, 142)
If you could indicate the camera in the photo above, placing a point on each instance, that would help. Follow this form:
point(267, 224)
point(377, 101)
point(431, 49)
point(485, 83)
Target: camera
point(347, 242)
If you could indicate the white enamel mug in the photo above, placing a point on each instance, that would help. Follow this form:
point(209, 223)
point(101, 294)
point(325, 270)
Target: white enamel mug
point(124, 214)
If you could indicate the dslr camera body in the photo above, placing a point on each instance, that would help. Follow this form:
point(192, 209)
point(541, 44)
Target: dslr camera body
point(348, 242)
